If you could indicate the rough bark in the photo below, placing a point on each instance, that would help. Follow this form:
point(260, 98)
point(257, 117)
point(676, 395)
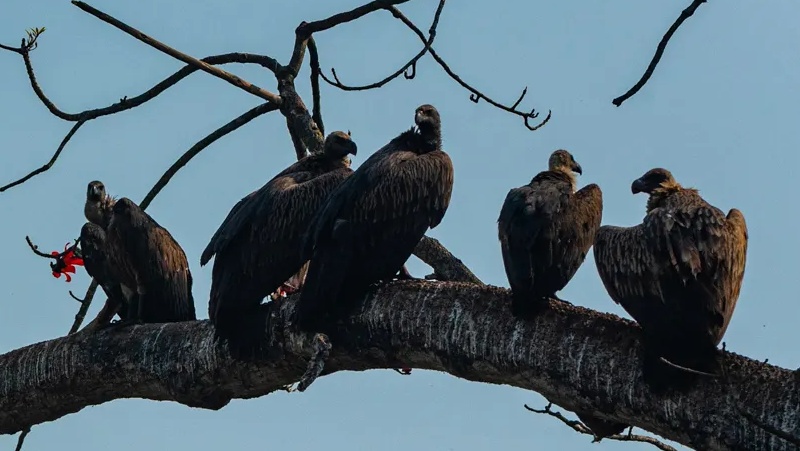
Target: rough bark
point(577, 358)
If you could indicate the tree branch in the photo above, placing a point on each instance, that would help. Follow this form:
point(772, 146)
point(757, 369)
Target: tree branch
point(412, 63)
point(575, 357)
point(446, 266)
point(215, 71)
point(685, 14)
point(579, 427)
point(50, 163)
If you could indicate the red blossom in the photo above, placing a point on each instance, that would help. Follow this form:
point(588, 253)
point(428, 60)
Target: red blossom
point(65, 263)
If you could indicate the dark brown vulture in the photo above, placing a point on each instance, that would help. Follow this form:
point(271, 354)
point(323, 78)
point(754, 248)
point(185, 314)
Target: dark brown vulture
point(545, 230)
point(93, 251)
point(141, 257)
point(678, 274)
point(258, 245)
point(370, 225)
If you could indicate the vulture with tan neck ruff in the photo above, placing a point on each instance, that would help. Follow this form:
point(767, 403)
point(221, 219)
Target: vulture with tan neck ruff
point(545, 230)
point(370, 225)
point(258, 245)
point(678, 274)
point(132, 255)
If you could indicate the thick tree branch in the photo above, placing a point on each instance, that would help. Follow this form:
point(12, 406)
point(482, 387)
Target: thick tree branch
point(316, 100)
point(215, 71)
point(685, 14)
point(575, 357)
point(446, 266)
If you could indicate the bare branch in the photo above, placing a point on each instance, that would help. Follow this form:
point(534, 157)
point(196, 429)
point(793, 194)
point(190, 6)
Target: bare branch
point(685, 14)
point(50, 163)
point(215, 71)
point(577, 426)
point(411, 64)
point(85, 304)
point(446, 266)
point(202, 144)
point(464, 329)
point(475, 95)
point(315, 94)
point(21, 438)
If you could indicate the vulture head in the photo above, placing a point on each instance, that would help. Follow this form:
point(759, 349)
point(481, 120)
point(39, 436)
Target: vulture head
point(562, 160)
point(653, 180)
point(339, 144)
point(427, 118)
point(96, 191)
point(97, 208)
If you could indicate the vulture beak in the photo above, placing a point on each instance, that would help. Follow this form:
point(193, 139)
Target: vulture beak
point(353, 148)
point(418, 117)
point(96, 191)
point(637, 186)
point(577, 168)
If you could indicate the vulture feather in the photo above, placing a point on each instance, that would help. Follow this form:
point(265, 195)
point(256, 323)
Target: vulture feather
point(678, 274)
point(258, 245)
point(371, 223)
point(545, 230)
point(93, 251)
point(140, 257)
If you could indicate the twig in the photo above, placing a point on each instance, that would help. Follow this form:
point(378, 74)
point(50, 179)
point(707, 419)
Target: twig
point(87, 301)
point(475, 95)
point(72, 295)
point(577, 426)
point(202, 144)
point(688, 370)
point(58, 256)
point(315, 94)
point(215, 71)
point(768, 428)
point(685, 14)
point(21, 438)
point(411, 64)
point(50, 163)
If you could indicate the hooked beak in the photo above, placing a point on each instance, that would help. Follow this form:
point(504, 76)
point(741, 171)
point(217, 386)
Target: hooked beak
point(353, 148)
point(418, 117)
point(577, 168)
point(96, 192)
point(637, 186)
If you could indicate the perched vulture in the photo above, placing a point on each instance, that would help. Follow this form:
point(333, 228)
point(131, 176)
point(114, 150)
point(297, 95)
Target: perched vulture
point(678, 274)
point(545, 230)
point(140, 256)
point(371, 223)
point(258, 245)
point(93, 251)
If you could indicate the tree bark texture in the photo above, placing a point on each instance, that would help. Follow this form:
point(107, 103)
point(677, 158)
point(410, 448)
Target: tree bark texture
point(576, 357)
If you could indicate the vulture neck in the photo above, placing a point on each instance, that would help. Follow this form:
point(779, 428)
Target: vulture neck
point(660, 195)
point(566, 172)
point(99, 212)
point(430, 137)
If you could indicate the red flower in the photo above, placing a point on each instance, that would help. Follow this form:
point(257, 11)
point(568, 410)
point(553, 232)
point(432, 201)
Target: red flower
point(65, 263)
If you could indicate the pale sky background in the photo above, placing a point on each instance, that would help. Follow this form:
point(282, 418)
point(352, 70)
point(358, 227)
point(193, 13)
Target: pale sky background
point(720, 113)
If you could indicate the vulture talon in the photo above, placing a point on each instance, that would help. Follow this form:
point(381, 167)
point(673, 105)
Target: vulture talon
point(404, 274)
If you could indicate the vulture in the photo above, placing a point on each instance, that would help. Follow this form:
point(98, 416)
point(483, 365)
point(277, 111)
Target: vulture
point(545, 230)
point(133, 256)
point(371, 223)
point(258, 245)
point(678, 274)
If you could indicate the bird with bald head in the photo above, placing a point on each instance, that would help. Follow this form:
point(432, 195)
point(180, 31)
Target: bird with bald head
point(257, 248)
point(545, 229)
point(678, 274)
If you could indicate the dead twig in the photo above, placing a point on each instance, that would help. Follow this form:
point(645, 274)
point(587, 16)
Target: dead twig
point(50, 163)
point(446, 266)
point(57, 256)
point(202, 144)
point(685, 14)
point(215, 71)
point(577, 426)
point(475, 95)
point(410, 65)
point(688, 370)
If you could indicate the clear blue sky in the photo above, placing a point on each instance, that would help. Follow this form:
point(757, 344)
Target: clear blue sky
point(720, 113)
